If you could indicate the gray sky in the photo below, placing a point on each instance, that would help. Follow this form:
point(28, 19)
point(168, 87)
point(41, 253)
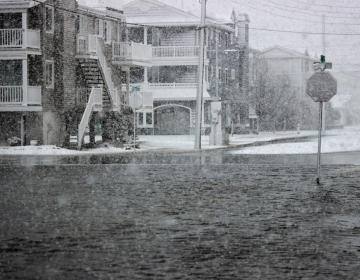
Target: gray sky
point(289, 23)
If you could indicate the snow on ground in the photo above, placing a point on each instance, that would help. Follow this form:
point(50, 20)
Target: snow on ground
point(347, 139)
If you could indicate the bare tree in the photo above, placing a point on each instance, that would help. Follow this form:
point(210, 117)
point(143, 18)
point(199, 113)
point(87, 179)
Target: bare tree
point(271, 95)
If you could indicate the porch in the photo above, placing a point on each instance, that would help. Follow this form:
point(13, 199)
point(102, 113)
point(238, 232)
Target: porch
point(20, 98)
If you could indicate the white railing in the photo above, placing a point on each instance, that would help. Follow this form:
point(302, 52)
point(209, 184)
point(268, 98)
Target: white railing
point(95, 98)
point(82, 95)
point(14, 95)
point(14, 38)
point(11, 38)
point(91, 44)
point(82, 44)
point(11, 95)
point(175, 51)
point(34, 95)
point(172, 85)
point(132, 50)
point(106, 71)
point(33, 38)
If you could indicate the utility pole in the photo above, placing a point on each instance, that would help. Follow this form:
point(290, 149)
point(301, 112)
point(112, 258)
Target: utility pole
point(199, 94)
point(323, 53)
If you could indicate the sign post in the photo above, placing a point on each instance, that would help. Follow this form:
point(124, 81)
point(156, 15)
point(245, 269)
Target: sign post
point(135, 102)
point(321, 87)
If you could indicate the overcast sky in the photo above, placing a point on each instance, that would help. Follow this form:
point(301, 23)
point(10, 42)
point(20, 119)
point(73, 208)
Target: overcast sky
point(289, 23)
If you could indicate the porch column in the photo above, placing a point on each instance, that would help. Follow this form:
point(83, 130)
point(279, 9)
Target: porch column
point(145, 35)
point(24, 80)
point(24, 27)
point(23, 130)
point(145, 68)
point(203, 114)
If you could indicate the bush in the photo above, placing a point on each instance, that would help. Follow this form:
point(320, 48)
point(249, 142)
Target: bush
point(14, 141)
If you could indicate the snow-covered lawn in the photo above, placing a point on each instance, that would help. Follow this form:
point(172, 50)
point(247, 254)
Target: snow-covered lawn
point(347, 139)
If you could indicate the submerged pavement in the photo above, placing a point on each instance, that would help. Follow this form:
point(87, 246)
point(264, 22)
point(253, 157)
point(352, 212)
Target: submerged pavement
point(179, 221)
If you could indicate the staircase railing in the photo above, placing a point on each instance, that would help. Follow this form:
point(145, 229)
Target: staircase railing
point(106, 70)
point(95, 98)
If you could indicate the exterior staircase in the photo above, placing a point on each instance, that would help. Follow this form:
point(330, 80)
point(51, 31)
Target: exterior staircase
point(94, 77)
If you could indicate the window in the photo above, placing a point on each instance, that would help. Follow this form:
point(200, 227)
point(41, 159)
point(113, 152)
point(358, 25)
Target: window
point(81, 24)
point(226, 77)
point(220, 38)
point(99, 27)
point(231, 38)
point(148, 118)
point(219, 75)
point(107, 31)
point(49, 19)
point(49, 74)
point(140, 118)
point(232, 74)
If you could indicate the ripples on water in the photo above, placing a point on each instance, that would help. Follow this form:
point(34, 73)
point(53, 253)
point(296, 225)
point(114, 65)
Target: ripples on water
point(165, 221)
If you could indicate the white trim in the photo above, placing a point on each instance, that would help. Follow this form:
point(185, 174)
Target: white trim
point(52, 18)
point(49, 62)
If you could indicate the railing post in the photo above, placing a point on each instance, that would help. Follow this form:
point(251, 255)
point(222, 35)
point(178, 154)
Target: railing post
point(25, 81)
point(24, 27)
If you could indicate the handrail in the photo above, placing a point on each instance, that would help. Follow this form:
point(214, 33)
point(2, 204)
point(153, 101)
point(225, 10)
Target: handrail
point(106, 71)
point(93, 100)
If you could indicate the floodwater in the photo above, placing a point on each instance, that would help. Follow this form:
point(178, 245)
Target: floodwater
point(208, 215)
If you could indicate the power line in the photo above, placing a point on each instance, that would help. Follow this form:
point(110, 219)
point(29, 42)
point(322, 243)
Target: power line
point(330, 12)
point(293, 18)
point(304, 32)
point(332, 6)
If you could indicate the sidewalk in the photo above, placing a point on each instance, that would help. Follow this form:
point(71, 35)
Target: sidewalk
point(158, 143)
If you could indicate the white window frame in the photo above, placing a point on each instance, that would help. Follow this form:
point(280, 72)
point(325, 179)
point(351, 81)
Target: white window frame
point(49, 80)
point(99, 23)
point(107, 32)
point(232, 74)
point(82, 25)
point(226, 76)
point(47, 8)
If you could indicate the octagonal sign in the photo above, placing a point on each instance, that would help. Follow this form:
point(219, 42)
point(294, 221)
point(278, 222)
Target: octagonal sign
point(321, 86)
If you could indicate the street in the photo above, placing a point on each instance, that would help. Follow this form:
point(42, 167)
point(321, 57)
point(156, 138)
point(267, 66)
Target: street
point(186, 219)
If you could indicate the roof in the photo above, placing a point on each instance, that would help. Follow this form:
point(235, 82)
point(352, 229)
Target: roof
point(153, 12)
point(277, 51)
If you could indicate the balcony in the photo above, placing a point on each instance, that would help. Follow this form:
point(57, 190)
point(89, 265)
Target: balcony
point(19, 38)
point(14, 98)
point(132, 54)
point(175, 55)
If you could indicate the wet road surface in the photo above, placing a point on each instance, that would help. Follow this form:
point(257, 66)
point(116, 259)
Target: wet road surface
point(189, 217)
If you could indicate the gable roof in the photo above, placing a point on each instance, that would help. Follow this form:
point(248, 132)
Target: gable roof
point(277, 51)
point(154, 12)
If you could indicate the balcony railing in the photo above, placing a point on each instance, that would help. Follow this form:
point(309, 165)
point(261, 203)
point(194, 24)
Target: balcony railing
point(14, 38)
point(14, 95)
point(175, 51)
point(172, 85)
point(132, 51)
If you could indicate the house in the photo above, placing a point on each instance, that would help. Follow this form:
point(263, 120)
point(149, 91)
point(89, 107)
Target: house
point(296, 65)
point(57, 59)
point(167, 79)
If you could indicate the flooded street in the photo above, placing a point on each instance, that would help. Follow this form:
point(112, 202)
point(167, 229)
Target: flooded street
point(185, 216)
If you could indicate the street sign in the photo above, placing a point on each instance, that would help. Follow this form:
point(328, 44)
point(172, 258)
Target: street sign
point(135, 100)
point(321, 86)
